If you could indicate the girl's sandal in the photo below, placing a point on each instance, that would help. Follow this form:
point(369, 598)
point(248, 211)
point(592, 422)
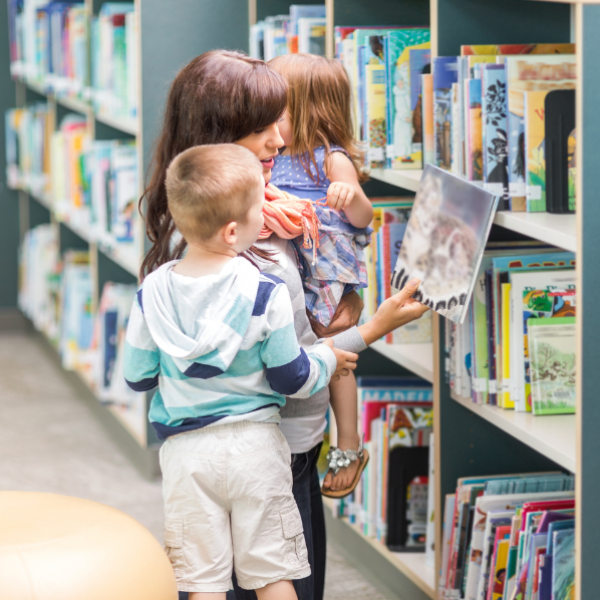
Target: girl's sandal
point(339, 459)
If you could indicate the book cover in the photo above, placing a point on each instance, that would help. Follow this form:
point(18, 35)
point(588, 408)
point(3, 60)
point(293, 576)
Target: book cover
point(559, 123)
point(517, 49)
point(444, 241)
point(474, 140)
point(516, 155)
point(402, 153)
point(311, 35)
point(535, 179)
point(495, 124)
point(552, 365)
point(499, 563)
point(572, 175)
point(563, 574)
point(527, 289)
point(445, 73)
point(505, 346)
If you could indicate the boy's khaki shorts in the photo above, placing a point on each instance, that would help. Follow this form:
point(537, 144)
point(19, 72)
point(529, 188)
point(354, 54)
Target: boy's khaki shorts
point(229, 503)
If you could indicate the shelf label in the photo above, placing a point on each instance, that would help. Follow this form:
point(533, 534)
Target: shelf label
point(376, 154)
point(534, 192)
point(493, 388)
point(480, 385)
point(389, 150)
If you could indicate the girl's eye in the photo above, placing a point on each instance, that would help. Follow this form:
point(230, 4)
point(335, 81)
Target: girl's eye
point(259, 131)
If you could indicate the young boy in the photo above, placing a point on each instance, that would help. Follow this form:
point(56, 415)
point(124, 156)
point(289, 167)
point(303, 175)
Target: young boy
point(217, 337)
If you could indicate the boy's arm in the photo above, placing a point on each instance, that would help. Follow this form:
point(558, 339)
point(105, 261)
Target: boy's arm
point(141, 364)
point(290, 370)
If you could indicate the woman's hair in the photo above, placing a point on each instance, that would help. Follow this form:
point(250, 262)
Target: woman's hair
point(319, 104)
point(219, 97)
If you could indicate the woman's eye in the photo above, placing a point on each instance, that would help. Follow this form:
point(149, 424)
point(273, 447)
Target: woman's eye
point(258, 131)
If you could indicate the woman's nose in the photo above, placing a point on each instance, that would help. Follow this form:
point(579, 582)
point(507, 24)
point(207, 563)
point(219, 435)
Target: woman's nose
point(275, 139)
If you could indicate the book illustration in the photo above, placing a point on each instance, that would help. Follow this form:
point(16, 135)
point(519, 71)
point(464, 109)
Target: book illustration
point(401, 102)
point(572, 145)
point(552, 365)
point(535, 151)
point(495, 124)
point(563, 572)
point(428, 120)
point(516, 158)
point(517, 49)
point(419, 60)
point(444, 241)
point(445, 73)
point(311, 35)
point(559, 150)
point(409, 426)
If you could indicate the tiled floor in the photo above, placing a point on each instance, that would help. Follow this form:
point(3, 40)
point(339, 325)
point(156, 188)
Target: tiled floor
point(50, 442)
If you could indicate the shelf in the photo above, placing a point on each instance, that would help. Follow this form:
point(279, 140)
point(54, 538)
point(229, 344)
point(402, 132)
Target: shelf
point(417, 358)
point(126, 125)
point(408, 180)
point(411, 564)
point(551, 435)
point(558, 230)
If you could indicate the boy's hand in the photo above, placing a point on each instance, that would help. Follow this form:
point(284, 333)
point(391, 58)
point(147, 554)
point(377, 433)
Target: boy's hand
point(346, 361)
point(393, 313)
point(340, 194)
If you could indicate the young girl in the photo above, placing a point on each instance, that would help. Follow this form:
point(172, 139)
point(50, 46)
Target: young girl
point(321, 162)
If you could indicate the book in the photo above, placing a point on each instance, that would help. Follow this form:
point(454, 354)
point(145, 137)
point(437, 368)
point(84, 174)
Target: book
point(552, 349)
point(492, 49)
point(445, 73)
point(374, 102)
point(311, 35)
point(450, 218)
point(563, 572)
point(428, 119)
point(535, 180)
point(402, 89)
point(559, 125)
point(474, 141)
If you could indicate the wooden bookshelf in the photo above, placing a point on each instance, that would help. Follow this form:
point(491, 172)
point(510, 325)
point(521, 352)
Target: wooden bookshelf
point(417, 358)
point(408, 180)
point(552, 435)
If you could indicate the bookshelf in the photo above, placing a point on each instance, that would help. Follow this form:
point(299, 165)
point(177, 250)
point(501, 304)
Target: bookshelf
point(167, 38)
point(417, 358)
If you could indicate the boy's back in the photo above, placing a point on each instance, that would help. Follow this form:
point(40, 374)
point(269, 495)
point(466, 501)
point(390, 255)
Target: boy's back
point(221, 348)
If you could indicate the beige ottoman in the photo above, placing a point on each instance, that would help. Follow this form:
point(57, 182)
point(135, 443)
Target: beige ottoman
point(61, 548)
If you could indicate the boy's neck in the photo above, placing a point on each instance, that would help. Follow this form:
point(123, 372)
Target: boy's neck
point(201, 260)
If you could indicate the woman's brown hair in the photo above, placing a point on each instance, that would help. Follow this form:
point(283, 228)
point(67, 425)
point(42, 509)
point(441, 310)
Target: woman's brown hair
point(319, 103)
point(219, 97)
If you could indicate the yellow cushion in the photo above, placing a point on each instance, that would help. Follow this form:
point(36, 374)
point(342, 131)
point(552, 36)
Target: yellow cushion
point(61, 548)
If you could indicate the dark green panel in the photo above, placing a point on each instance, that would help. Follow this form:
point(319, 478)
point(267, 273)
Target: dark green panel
point(472, 446)
point(500, 22)
point(9, 205)
point(38, 213)
point(381, 12)
point(589, 468)
point(111, 271)
point(69, 240)
point(375, 188)
point(172, 34)
point(106, 132)
point(371, 362)
point(268, 8)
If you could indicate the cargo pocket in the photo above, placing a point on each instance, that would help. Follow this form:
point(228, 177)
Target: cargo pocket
point(174, 544)
point(293, 532)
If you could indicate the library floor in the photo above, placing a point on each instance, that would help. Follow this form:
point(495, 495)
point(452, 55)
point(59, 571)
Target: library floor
point(50, 442)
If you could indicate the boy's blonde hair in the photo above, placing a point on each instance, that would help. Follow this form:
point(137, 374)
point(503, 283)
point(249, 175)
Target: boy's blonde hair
point(319, 104)
point(212, 185)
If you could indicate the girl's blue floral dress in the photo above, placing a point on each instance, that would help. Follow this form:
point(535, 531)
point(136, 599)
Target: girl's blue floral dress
point(340, 261)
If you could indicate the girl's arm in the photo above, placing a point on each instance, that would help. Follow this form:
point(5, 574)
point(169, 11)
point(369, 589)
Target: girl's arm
point(345, 192)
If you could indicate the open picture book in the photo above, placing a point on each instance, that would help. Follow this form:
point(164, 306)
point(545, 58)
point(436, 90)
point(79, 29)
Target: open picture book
point(444, 241)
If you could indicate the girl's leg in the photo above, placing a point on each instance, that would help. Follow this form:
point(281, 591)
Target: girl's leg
point(207, 596)
point(343, 402)
point(281, 590)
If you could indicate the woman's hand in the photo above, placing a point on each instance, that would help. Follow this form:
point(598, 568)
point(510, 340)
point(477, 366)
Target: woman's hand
point(346, 316)
point(396, 311)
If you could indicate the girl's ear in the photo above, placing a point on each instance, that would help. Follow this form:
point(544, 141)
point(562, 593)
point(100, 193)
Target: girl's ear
point(229, 233)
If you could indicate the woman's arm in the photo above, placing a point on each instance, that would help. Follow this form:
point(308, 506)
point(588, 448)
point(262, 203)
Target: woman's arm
point(345, 192)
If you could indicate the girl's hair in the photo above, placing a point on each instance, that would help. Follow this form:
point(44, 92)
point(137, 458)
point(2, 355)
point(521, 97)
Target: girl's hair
point(319, 103)
point(219, 97)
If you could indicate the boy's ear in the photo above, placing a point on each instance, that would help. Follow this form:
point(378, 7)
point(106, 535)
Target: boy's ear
point(229, 233)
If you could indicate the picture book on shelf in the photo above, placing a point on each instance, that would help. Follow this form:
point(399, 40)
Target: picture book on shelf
point(445, 73)
point(518, 49)
point(552, 349)
point(375, 100)
point(444, 241)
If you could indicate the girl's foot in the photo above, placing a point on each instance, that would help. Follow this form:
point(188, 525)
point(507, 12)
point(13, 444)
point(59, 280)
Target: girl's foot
point(346, 476)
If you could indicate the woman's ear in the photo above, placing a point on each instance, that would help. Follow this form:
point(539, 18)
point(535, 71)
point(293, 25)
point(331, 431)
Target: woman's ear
point(229, 233)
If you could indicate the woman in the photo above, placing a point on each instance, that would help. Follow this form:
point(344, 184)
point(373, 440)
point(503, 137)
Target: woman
point(227, 97)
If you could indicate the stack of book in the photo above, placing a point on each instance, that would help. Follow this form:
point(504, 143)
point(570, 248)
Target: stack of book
point(302, 30)
point(509, 536)
point(390, 216)
point(504, 116)
point(27, 150)
point(516, 349)
point(390, 501)
point(54, 44)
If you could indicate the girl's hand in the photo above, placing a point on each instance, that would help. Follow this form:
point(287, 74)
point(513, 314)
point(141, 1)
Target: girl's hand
point(346, 316)
point(340, 194)
point(346, 361)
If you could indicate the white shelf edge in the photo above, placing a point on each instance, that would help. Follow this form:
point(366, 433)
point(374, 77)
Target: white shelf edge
point(417, 358)
point(408, 179)
point(411, 564)
point(126, 125)
point(554, 436)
